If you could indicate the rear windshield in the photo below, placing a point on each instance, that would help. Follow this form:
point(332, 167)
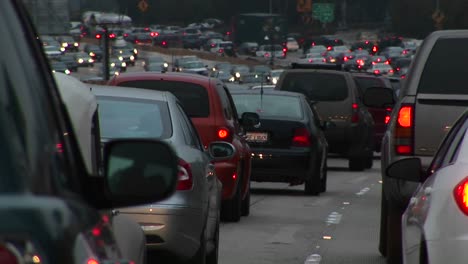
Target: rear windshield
point(133, 118)
point(443, 76)
point(364, 83)
point(316, 86)
point(269, 105)
point(193, 97)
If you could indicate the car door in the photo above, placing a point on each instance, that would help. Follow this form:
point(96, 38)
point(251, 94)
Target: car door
point(414, 218)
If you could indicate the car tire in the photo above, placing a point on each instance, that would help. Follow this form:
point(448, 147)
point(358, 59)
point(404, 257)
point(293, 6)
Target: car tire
point(312, 185)
point(323, 181)
point(383, 226)
point(356, 163)
point(394, 237)
point(369, 161)
point(212, 257)
point(245, 209)
point(231, 209)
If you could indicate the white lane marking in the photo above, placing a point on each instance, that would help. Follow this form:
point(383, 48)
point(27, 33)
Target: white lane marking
point(363, 191)
point(285, 235)
point(313, 259)
point(334, 218)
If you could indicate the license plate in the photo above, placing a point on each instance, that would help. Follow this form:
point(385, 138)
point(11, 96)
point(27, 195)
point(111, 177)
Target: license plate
point(257, 137)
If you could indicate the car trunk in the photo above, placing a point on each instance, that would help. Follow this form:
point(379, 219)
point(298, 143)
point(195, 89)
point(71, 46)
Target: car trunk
point(273, 133)
point(429, 132)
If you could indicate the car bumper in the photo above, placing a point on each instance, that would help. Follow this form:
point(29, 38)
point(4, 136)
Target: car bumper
point(228, 175)
point(280, 165)
point(172, 230)
point(451, 251)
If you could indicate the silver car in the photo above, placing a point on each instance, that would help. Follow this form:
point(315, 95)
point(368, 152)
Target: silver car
point(187, 223)
point(434, 225)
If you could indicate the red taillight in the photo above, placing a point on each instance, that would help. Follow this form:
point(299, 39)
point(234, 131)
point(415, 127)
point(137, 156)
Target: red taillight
point(404, 130)
point(391, 71)
point(387, 115)
point(185, 180)
point(164, 43)
point(125, 35)
point(345, 58)
point(220, 50)
point(387, 62)
point(376, 72)
point(96, 231)
point(301, 138)
point(223, 133)
point(98, 36)
point(154, 34)
point(285, 49)
point(460, 194)
point(7, 256)
point(112, 35)
point(59, 147)
point(374, 49)
point(92, 261)
point(355, 113)
point(329, 48)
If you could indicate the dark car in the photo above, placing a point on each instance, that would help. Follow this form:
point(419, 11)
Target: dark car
point(69, 43)
point(94, 51)
point(210, 107)
point(381, 115)
point(329, 41)
point(142, 113)
point(59, 66)
point(168, 40)
point(70, 61)
point(289, 144)
point(191, 41)
point(248, 48)
point(338, 100)
point(49, 203)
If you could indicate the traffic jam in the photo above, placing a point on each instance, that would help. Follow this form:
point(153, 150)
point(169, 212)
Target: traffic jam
point(241, 140)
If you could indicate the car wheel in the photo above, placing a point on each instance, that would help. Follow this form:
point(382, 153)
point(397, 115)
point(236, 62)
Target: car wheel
point(212, 257)
point(356, 163)
point(369, 160)
point(323, 181)
point(393, 243)
point(231, 209)
point(313, 183)
point(200, 256)
point(383, 226)
point(246, 203)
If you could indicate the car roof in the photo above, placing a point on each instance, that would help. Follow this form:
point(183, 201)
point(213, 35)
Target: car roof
point(267, 92)
point(130, 92)
point(170, 76)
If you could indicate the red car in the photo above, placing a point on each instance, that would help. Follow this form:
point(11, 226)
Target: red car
point(211, 108)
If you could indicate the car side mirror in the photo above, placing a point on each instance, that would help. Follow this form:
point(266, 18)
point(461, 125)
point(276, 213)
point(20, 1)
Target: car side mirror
point(409, 169)
point(378, 97)
point(139, 171)
point(220, 150)
point(250, 119)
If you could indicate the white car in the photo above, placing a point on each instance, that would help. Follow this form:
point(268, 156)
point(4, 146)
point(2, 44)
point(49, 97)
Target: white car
point(317, 49)
point(313, 58)
point(52, 51)
point(381, 69)
point(292, 44)
point(267, 51)
point(434, 225)
point(341, 49)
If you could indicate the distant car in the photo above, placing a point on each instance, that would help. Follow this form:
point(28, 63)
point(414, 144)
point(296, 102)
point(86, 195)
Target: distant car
point(320, 49)
point(267, 51)
point(180, 60)
point(224, 76)
point(49, 41)
point(155, 62)
point(142, 39)
point(114, 62)
point(275, 75)
point(58, 66)
point(381, 69)
point(291, 44)
point(94, 51)
point(211, 43)
point(83, 59)
point(248, 48)
point(69, 43)
point(196, 67)
point(313, 58)
point(341, 48)
point(70, 61)
point(289, 144)
point(238, 70)
point(125, 55)
point(222, 66)
point(52, 52)
point(440, 200)
point(391, 53)
point(142, 113)
point(252, 79)
point(191, 41)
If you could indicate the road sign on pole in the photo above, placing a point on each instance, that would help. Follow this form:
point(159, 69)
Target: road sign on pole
point(143, 5)
point(324, 12)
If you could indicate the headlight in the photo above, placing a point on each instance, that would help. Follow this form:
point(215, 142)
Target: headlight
point(67, 71)
point(90, 60)
point(53, 70)
point(232, 79)
point(65, 45)
point(92, 54)
point(116, 73)
point(120, 51)
point(237, 75)
point(165, 65)
point(213, 69)
point(120, 58)
point(132, 58)
point(76, 44)
point(135, 51)
point(112, 64)
point(124, 64)
point(80, 60)
point(274, 80)
point(62, 49)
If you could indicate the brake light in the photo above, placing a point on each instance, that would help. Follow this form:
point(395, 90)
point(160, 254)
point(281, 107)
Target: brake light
point(345, 58)
point(112, 35)
point(387, 115)
point(284, 49)
point(329, 48)
point(387, 62)
point(220, 50)
point(355, 113)
point(223, 133)
point(154, 34)
point(460, 194)
point(164, 43)
point(92, 261)
point(185, 180)
point(376, 72)
point(374, 49)
point(404, 130)
point(98, 36)
point(301, 138)
point(391, 71)
point(125, 35)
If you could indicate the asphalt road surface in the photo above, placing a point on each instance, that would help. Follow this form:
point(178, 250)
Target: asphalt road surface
point(285, 226)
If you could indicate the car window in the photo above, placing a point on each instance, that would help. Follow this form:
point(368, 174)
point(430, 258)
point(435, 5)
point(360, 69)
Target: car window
point(440, 77)
point(227, 109)
point(192, 96)
point(192, 134)
point(449, 147)
point(269, 105)
point(134, 118)
point(316, 86)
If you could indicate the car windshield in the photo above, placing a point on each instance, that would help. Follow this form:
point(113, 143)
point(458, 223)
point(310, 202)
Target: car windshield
point(193, 65)
point(269, 106)
point(133, 118)
point(317, 86)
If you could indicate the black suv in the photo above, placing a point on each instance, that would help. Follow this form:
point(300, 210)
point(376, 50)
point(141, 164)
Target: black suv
point(48, 201)
point(338, 100)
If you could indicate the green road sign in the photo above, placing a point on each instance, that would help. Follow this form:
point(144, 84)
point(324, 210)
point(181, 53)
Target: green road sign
point(324, 12)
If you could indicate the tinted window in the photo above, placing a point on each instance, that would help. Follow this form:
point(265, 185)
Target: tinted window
point(441, 76)
point(269, 105)
point(364, 83)
point(134, 118)
point(316, 86)
point(193, 97)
